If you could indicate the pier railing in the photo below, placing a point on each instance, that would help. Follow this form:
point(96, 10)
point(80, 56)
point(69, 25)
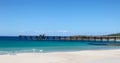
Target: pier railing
point(71, 38)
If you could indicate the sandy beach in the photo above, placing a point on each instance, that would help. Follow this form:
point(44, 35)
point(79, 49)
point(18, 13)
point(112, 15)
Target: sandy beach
point(95, 56)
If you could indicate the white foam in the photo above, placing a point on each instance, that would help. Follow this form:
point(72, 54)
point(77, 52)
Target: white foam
point(41, 50)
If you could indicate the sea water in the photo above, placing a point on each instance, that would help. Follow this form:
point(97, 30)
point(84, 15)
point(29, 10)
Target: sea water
point(13, 45)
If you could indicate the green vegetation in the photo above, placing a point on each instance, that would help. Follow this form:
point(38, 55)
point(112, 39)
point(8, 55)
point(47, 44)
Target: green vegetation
point(117, 34)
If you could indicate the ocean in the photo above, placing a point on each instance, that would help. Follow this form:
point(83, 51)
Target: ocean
point(13, 45)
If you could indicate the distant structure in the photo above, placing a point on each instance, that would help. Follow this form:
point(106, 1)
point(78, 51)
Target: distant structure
point(70, 38)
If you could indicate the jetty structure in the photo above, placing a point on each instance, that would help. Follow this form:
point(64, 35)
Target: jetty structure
point(70, 38)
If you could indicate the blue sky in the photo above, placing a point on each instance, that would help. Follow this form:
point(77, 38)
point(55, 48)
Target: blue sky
point(59, 17)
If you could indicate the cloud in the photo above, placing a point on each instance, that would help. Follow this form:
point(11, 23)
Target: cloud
point(62, 31)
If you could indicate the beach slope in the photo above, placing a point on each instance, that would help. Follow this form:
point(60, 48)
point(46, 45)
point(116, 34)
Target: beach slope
point(95, 56)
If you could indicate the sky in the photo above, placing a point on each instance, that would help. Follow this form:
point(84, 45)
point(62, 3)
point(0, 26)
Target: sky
point(59, 17)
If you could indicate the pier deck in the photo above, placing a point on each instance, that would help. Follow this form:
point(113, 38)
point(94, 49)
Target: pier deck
point(72, 38)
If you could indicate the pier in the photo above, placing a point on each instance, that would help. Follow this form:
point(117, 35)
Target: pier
point(71, 38)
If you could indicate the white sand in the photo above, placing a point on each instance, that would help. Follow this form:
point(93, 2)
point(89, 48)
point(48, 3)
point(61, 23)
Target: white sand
point(101, 56)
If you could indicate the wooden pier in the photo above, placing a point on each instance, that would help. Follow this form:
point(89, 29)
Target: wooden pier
point(71, 38)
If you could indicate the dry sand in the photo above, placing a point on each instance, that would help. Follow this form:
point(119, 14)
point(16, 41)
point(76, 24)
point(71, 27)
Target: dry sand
point(96, 56)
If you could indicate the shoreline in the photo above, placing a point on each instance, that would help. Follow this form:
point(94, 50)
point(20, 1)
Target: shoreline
point(70, 51)
point(86, 56)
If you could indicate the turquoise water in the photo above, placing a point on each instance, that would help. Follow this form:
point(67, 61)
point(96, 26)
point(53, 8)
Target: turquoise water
point(23, 46)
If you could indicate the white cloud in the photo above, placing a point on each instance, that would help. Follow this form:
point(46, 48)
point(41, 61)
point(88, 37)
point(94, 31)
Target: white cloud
point(62, 31)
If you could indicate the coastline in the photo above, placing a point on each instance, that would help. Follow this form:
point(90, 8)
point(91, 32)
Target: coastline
point(87, 56)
